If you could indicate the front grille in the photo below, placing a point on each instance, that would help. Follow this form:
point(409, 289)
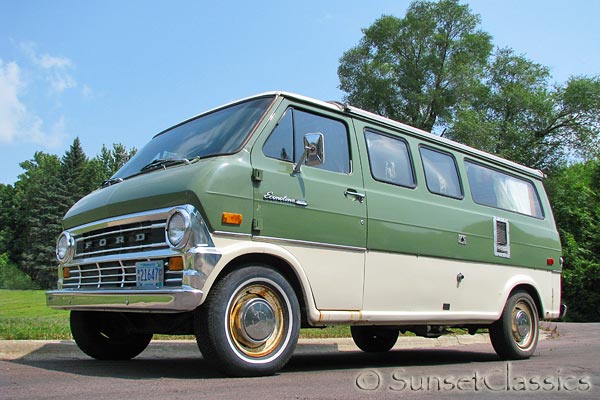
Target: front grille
point(106, 252)
point(112, 275)
point(129, 238)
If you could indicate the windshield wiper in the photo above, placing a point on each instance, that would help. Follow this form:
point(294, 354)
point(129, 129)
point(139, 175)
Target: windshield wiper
point(163, 163)
point(110, 182)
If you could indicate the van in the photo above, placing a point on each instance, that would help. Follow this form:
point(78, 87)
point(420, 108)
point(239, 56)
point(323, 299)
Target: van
point(278, 212)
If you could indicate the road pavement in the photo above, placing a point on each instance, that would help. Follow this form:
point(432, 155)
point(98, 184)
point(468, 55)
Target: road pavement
point(566, 365)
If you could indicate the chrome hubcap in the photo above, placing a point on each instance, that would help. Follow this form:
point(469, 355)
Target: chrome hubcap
point(258, 320)
point(522, 323)
point(524, 329)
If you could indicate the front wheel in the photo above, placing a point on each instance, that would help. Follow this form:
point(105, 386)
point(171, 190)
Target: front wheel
point(373, 339)
point(249, 324)
point(515, 335)
point(107, 336)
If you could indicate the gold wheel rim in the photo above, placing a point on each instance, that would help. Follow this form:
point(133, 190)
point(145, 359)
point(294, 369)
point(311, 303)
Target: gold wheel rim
point(256, 320)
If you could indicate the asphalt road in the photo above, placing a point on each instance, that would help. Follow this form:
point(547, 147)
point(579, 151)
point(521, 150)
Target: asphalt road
point(566, 365)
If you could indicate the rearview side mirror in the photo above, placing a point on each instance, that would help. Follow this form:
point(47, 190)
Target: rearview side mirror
point(314, 151)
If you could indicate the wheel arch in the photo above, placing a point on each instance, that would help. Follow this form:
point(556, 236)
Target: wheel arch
point(281, 261)
point(529, 288)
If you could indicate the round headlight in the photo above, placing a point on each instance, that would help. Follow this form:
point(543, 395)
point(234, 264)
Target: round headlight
point(65, 247)
point(178, 228)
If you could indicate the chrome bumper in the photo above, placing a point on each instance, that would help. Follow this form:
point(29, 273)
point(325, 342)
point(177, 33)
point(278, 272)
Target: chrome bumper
point(132, 300)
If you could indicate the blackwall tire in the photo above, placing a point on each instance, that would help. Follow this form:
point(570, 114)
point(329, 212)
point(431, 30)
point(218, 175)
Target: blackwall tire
point(250, 322)
point(515, 335)
point(373, 339)
point(105, 336)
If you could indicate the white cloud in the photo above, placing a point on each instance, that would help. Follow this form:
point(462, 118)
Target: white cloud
point(17, 123)
point(55, 68)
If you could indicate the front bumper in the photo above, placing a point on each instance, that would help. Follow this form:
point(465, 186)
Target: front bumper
point(133, 300)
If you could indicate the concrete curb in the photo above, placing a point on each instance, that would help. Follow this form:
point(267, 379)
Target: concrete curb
point(67, 349)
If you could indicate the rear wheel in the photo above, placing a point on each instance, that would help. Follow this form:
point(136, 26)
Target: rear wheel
point(107, 336)
point(515, 335)
point(374, 339)
point(250, 322)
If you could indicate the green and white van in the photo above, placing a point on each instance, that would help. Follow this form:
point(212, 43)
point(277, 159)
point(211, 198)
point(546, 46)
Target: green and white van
point(277, 212)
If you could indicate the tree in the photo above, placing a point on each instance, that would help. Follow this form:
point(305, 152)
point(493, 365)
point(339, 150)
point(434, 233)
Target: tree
point(7, 217)
point(575, 194)
point(516, 114)
point(113, 159)
point(41, 202)
point(416, 69)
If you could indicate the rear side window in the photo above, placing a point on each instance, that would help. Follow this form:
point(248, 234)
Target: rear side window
point(497, 189)
point(286, 142)
point(441, 173)
point(389, 159)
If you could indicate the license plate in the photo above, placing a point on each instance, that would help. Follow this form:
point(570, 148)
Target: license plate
point(149, 274)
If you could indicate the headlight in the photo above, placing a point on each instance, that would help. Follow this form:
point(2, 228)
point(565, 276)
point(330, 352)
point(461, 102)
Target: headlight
point(178, 228)
point(65, 247)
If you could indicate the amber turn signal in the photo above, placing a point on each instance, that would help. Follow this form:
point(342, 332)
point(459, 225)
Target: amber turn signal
point(66, 273)
point(231, 218)
point(175, 264)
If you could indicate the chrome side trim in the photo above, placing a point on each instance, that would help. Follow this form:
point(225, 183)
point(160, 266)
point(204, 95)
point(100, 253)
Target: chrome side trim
point(308, 243)
point(232, 234)
point(131, 300)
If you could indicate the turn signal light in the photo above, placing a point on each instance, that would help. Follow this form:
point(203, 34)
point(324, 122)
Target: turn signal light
point(232, 218)
point(175, 264)
point(66, 273)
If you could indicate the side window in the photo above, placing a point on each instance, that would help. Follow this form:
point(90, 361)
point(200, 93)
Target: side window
point(389, 159)
point(493, 188)
point(286, 142)
point(441, 173)
point(280, 144)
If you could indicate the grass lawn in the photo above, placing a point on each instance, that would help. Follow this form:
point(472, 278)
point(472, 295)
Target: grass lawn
point(24, 315)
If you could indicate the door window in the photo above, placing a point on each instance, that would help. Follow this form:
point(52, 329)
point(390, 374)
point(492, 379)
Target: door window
point(286, 142)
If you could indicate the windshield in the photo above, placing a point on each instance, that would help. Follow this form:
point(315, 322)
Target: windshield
point(220, 132)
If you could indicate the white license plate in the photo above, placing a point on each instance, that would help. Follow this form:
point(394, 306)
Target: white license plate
point(149, 274)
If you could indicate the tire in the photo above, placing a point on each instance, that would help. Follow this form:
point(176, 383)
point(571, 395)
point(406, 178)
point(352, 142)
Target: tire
point(373, 339)
point(515, 335)
point(106, 336)
point(249, 324)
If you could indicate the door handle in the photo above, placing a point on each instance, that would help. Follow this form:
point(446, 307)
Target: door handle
point(357, 196)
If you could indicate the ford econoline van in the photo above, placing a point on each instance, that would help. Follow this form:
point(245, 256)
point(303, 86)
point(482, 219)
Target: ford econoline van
point(277, 212)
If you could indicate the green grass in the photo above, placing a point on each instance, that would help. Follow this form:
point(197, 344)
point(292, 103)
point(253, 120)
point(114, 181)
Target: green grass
point(24, 315)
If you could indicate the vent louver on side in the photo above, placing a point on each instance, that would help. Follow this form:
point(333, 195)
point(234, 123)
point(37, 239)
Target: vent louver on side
point(501, 237)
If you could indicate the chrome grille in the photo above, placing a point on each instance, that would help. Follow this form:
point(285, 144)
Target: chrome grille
point(112, 275)
point(130, 238)
point(106, 252)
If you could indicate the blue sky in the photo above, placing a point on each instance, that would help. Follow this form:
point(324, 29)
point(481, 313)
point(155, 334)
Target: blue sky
point(121, 71)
